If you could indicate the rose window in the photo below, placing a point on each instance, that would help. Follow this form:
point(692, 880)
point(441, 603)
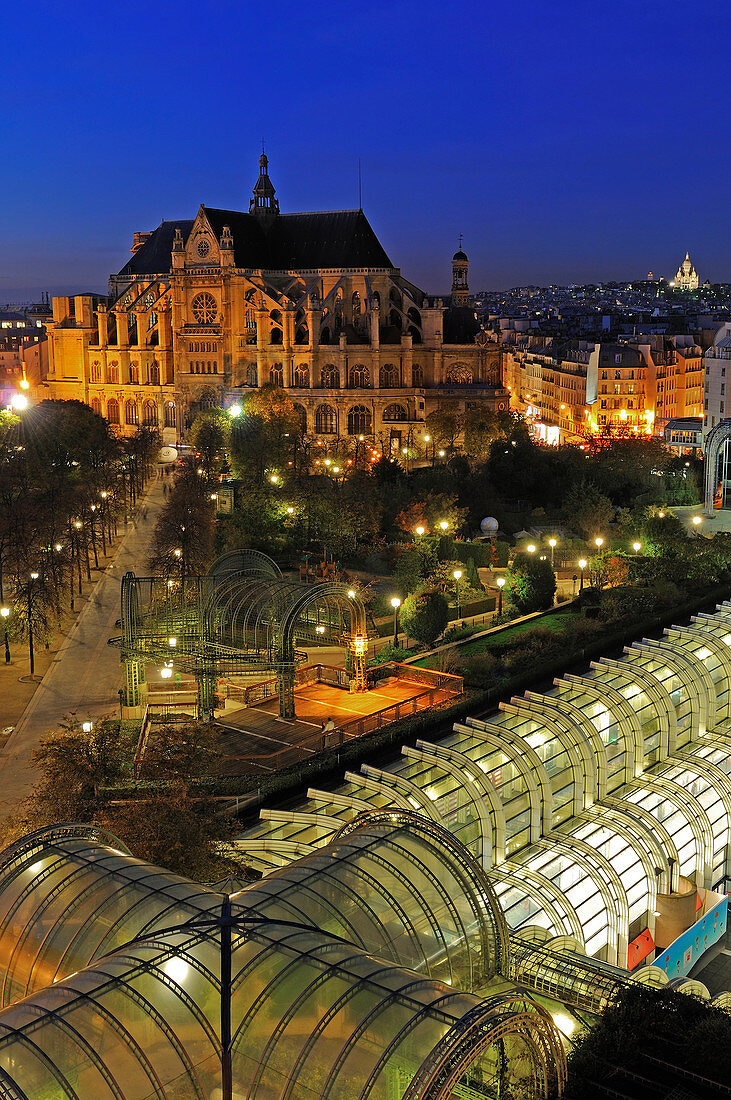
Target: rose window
point(204, 309)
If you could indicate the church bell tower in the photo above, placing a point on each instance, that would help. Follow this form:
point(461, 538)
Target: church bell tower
point(460, 286)
point(263, 203)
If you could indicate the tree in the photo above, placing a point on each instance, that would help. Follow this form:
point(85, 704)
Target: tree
point(531, 583)
point(181, 752)
point(209, 434)
point(424, 615)
point(186, 524)
point(443, 424)
point(588, 510)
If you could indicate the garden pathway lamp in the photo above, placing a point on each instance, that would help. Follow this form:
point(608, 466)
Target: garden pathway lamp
point(500, 582)
point(5, 612)
point(395, 604)
point(582, 567)
point(457, 576)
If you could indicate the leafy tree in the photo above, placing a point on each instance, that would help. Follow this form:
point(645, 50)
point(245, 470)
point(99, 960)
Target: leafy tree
point(443, 424)
point(209, 434)
point(186, 524)
point(531, 583)
point(181, 752)
point(588, 510)
point(425, 614)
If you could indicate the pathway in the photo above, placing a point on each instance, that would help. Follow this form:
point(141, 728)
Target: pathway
point(85, 675)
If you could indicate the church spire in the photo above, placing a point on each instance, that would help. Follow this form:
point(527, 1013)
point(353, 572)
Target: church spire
point(263, 203)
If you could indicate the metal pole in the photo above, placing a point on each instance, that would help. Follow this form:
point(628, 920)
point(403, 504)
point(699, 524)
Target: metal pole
point(395, 626)
point(30, 627)
point(226, 1067)
point(7, 648)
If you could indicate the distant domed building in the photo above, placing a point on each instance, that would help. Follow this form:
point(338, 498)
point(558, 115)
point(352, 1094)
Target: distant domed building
point(687, 276)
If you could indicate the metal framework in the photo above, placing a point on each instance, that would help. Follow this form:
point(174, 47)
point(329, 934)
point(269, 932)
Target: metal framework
point(347, 973)
point(242, 617)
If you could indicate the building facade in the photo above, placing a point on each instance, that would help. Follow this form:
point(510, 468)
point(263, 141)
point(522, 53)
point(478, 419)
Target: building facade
point(209, 308)
point(686, 277)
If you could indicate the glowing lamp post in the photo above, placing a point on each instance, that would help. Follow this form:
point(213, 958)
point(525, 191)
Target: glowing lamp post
point(5, 612)
point(599, 542)
point(696, 522)
point(552, 544)
point(33, 577)
point(500, 582)
point(443, 524)
point(395, 604)
point(457, 574)
point(582, 567)
point(420, 530)
point(636, 546)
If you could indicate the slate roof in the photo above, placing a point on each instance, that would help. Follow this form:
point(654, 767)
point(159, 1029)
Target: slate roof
point(299, 242)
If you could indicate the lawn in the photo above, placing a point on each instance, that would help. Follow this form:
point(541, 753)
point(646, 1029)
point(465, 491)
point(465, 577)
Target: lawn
point(557, 623)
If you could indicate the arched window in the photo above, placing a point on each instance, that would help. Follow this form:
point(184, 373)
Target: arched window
point(171, 418)
point(459, 376)
point(113, 372)
point(302, 335)
point(207, 399)
point(376, 299)
point(131, 415)
point(276, 336)
point(389, 376)
point(113, 411)
point(360, 377)
point(251, 375)
point(134, 373)
point(417, 375)
point(302, 414)
point(359, 420)
point(326, 420)
point(204, 309)
point(330, 377)
point(95, 371)
point(96, 405)
point(276, 375)
point(154, 374)
point(149, 414)
point(394, 412)
point(302, 375)
point(356, 308)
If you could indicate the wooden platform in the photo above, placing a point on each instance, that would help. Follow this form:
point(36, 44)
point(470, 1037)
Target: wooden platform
point(255, 740)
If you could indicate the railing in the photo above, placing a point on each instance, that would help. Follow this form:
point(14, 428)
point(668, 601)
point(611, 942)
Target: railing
point(142, 743)
point(444, 681)
point(310, 674)
point(357, 727)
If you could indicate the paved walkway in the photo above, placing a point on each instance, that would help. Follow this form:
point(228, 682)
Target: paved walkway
point(85, 675)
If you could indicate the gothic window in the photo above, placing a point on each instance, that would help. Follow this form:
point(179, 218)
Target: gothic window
point(459, 376)
point(154, 374)
point(149, 414)
point(302, 375)
point(376, 299)
point(96, 405)
point(251, 375)
point(170, 414)
point(276, 336)
point(113, 411)
point(204, 308)
point(134, 373)
point(417, 375)
point(95, 373)
point(394, 412)
point(113, 372)
point(131, 415)
point(389, 376)
point(326, 420)
point(356, 308)
point(360, 377)
point(330, 376)
point(359, 420)
point(276, 375)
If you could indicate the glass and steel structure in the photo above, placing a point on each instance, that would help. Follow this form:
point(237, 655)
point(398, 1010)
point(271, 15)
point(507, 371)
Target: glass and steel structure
point(353, 971)
point(579, 802)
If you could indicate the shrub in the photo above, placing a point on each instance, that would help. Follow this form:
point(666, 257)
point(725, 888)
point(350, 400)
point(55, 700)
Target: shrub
point(424, 615)
point(531, 583)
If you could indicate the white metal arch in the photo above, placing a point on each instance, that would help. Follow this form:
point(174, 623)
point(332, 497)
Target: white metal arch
point(699, 824)
point(578, 751)
point(696, 680)
point(713, 643)
point(655, 691)
point(607, 696)
point(543, 884)
point(579, 726)
point(716, 440)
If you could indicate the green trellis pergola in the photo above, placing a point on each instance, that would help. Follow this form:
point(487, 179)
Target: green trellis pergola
point(243, 616)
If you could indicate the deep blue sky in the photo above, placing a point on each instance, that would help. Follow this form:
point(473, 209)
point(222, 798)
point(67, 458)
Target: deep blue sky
point(568, 141)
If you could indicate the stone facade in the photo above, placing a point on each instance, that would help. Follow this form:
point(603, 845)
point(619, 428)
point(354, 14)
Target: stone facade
point(208, 309)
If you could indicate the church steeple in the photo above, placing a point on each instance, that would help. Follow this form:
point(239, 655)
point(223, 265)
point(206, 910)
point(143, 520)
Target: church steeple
point(460, 286)
point(263, 203)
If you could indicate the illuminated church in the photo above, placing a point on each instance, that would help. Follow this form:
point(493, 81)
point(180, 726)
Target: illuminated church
point(687, 276)
point(208, 308)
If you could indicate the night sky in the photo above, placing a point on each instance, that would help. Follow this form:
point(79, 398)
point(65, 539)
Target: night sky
point(567, 141)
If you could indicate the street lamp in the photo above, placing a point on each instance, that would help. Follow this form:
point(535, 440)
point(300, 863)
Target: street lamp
point(531, 548)
point(33, 577)
point(443, 524)
point(19, 402)
point(395, 604)
point(500, 582)
point(552, 544)
point(5, 612)
point(636, 546)
point(87, 727)
point(582, 567)
point(457, 574)
point(420, 530)
point(696, 520)
point(599, 542)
